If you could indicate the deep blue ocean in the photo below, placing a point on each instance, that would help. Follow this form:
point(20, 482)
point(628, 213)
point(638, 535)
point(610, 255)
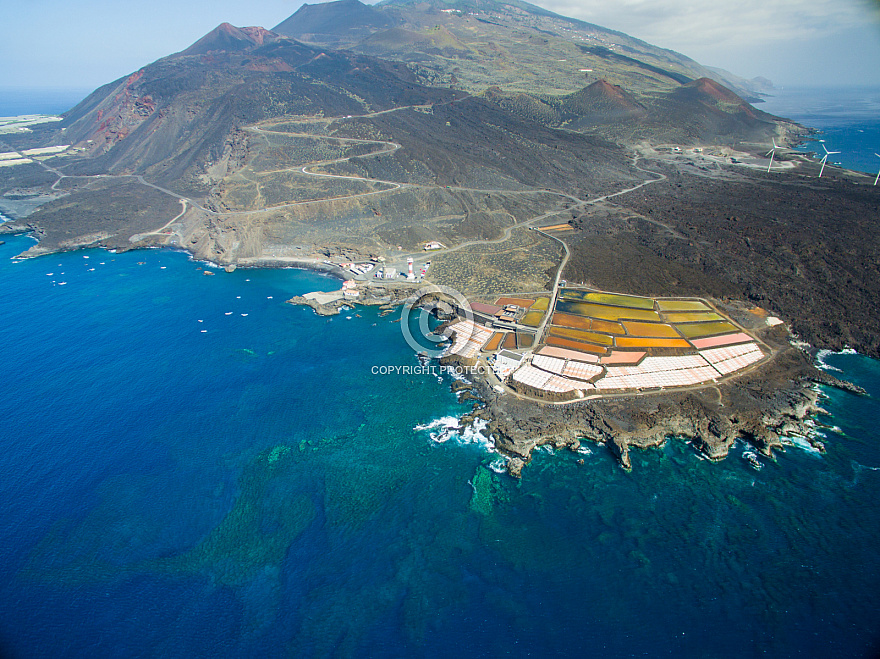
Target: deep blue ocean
point(193, 468)
point(848, 118)
point(17, 101)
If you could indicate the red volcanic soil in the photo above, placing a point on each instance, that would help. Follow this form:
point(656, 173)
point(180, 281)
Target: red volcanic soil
point(611, 92)
point(230, 38)
point(258, 35)
point(715, 90)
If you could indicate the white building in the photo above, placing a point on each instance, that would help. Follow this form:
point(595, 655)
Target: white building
point(505, 363)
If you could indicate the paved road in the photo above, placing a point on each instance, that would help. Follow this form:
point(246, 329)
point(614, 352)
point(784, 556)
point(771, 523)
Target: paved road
point(539, 334)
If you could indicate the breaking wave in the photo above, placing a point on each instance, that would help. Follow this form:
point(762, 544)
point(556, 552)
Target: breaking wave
point(450, 428)
point(821, 356)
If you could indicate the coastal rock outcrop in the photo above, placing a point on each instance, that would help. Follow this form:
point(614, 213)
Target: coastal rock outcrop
point(758, 407)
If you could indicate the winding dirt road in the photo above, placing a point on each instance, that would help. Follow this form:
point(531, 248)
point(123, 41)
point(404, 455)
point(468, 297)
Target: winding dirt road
point(385, 148)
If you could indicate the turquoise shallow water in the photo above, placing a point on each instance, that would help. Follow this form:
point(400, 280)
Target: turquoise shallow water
point(254, 490)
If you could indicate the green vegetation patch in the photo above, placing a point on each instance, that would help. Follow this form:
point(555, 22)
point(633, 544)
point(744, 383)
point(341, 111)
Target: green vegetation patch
point(627, 301)
point(532, 318)
point(541, 304)
point(603, 312)
point(699, 330)
point(693, 317)
point(681, 305)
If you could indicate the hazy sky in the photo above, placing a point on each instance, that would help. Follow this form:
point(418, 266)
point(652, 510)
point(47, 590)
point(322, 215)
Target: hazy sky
point(83, 44)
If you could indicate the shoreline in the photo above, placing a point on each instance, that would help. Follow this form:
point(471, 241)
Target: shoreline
point(516, 426)
point(763, 406)
point(785, 408)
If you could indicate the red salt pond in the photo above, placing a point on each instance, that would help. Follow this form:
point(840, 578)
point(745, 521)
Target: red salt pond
point(717, 341)
point(623, 358)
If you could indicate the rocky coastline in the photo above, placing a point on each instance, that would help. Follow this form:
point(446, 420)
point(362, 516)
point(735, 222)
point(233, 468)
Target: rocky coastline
point(780, 398)
point(386, 296)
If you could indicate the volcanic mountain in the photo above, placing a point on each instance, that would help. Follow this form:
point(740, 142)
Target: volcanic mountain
point(336, 23)
point(514, 44)
point(179, 120)
point(228, 38)
point(479, 91)
point(363, 130)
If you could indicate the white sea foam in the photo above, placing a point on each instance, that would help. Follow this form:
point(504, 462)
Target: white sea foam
point(499, 465)
point(804, 445)
point(821, 356)
point(449, 428)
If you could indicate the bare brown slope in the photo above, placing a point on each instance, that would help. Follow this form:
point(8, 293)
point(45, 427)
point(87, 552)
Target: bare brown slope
point(600, 103)
point(177, 118)
point(336, 23)
point(474, 143)
point(702, 112)
point(230, 38)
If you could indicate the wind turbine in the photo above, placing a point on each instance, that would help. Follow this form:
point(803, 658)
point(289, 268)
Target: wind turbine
point(878, 173)
point(824, 160)
point(771, 153)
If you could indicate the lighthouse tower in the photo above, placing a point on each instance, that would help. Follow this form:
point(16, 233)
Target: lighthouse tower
point(409, 264)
